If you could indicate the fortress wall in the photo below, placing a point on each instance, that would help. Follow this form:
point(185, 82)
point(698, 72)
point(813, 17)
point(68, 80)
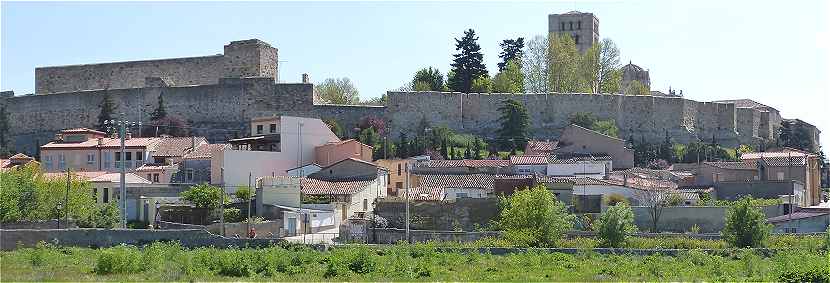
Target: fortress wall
point(406, 109)
point(748, 121)
point(246, 58)
point(348, 116)
point(218, 111)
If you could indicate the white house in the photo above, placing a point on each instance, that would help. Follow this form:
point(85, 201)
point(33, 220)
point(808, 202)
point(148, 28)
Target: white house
point(594, 165)
point(304, 171)
point(529, 164)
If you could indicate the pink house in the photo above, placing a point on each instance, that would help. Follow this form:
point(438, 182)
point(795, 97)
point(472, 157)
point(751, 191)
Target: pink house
point(333, 152)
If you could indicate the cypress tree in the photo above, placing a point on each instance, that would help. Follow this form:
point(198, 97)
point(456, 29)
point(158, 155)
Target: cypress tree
point(107, 107)
point(468, 64)
point(161, 110)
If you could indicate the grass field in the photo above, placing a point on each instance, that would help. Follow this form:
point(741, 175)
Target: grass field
point(421, 262)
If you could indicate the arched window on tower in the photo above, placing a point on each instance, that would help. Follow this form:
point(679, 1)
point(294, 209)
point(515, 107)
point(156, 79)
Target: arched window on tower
point(571, 25)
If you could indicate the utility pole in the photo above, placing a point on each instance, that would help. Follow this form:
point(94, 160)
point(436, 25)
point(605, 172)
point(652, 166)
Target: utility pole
point(66, 198)
point(792, 193)
point(122, 132)
point(222, 202)
point(406, 170)
point(249, 203)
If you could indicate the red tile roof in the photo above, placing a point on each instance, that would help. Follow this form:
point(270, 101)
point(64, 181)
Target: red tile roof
point(733, 165)
point(129, 178)
point(82, 130)
point(464, 163)
point(529, 159)
point(426, 194)
point(206, 151)
point(541, 146)
point(797, 215)
point(82, 175)
point(570, 157)
point(176, 146)
point(310, 186)
point(484, 181)
point(154, 167)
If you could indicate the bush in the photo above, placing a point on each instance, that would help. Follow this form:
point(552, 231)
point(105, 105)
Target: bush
point(534, 217)
point(746, 225)
point(204, 196)
point(357, 260)
point(615, 224)
point(120, 259)
point(827, 240)
point(614, 199)
point(232, 215)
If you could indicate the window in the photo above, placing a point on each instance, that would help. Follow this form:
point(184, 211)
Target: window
point(563, 26)
point(156, 178)
point(790, 230)
point(129, 155)
point(399, 169)
point(62, 160)
point(579, 25)
point(139, 155)
point(149, 177)
point(189, 175)
point(273, 128)
point(461, 195)
point(90, 158)
point(571, 25)
point(47, 161)
point(107, 159)
point(106, 195)
point(365, 204)
point(780, 176)
point(398, 185)
point(258, 129)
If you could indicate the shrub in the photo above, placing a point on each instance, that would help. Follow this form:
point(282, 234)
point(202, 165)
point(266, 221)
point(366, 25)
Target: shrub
point(615, 224)
point(827, 240)
point(534, 217)
point(614, 199)
point(745, 225)
point(120, 259)
point(232, 215)
point(204, 196)
point(40, 254)
point(357, 260)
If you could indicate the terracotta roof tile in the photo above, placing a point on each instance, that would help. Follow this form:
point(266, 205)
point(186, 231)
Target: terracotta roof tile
point(529, 159)
point(426, 194)
point(567, 158)
point(310, 186)
point(542, 146)
point(465, 163)
point(206, 151)
point(176, 146)
point(733, 165)
point(484, 181)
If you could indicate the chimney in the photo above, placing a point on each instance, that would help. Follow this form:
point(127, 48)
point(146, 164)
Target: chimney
point(192, 143)
point(100, 141)
point(306, 79)
point(128, 136)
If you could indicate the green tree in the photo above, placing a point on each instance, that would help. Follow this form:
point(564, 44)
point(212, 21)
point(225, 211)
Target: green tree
point(334, 127)
point(337, 91)
point(610, 76)
point(535, 65)
point(583, 119)
point(564, 59)
point(515, 123)
point(746, 225)
point(589, 69)
point(468, 63)
point(107, 110)
point(428, 79)
point(482, 84)
point(606, 127)
point(533, 217)
point(511, 50)
point(244, 193)
point(509, 80)
point(204, 196)
point(637, 88)
point(161, 110)
point(615, 224)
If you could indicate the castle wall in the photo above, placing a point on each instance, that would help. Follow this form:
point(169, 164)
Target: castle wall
point(247, 58)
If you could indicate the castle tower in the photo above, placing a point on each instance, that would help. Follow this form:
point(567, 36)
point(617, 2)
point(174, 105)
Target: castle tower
point(631, 72)
point(583, 28)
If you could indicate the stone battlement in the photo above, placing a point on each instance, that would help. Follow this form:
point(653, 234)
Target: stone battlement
point(244, 58)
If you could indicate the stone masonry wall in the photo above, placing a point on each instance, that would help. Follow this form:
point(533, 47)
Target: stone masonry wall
point(246, 58)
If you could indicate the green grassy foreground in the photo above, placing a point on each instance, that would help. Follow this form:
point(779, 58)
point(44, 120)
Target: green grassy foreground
point(421, 262)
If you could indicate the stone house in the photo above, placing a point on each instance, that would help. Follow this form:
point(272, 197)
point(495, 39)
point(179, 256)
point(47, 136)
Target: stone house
point(83, 149)
point(802, 221)
point(332, 152)
point(304, 171)
point(529, 164)
point(576, 139)
point(790, 164)
point(15, 161)
point(596, 165)
point(466, 166)
point(398, 169)
point(194, 167)
point(158, 173)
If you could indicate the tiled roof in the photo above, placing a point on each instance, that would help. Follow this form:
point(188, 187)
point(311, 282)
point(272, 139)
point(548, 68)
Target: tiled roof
point(82, 130)
point(154, 167)
point(651, 173)
point(20, 156)
point(580, 181)
point(129, 178)
point(797, 215)
point(426, 194)
point(464, 163)
point(176, 146)
point(733, 165)
point(484, 181)
point(82, 175)
point(782, 161)
point(131, 142)
point(743, 103)
point(529, 159)
point(206, 151)
point(567, 158)
point(552, 179)
point(310, 186)
point(768, 154)
point(542, 146)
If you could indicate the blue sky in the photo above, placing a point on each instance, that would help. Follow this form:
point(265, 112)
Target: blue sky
point(775, 53)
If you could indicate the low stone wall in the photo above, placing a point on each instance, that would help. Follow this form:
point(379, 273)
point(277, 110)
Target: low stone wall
point(262, 229)
point(165, 225)
point(710, 219)
point(13, 238)
point(42, 224)
point(394, 235)
point(466, 214)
